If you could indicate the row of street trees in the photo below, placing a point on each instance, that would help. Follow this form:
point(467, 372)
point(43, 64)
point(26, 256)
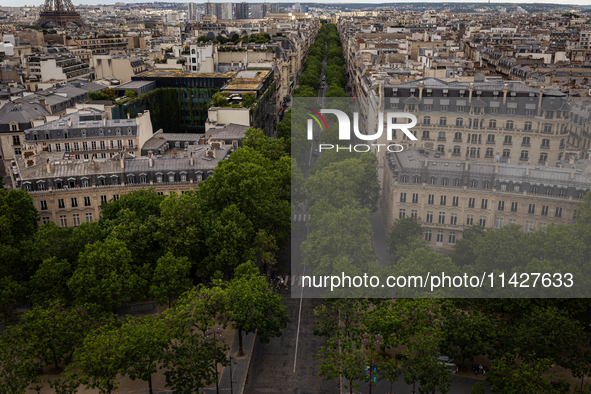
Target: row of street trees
point(96, 348)
point(144, 247)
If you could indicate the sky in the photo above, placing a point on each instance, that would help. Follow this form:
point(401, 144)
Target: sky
point(14, 3)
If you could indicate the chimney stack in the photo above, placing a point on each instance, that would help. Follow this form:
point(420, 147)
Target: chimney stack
point(467, 163)
point(150, 159)
point(48, 167)
point(122, 161)
point(571, 159)
point(192, 160)
point(572, 173)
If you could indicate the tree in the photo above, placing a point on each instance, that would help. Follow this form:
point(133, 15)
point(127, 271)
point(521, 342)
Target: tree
point(478, 388)
point(144, 202)
point(464, 251)
point(390, 369)
point(252, 305)
point(402, 231)
point(11, 293)
point(50, 282)
point(17, 366)
point(512, 377)
point(104, 276)
point(53, 332)
point(342, 358)
point(171, 278)
point(131, 93)
point(143, 348)
point(190, 363)
point(99, 359)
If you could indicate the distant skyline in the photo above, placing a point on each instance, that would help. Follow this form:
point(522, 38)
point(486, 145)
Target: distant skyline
point(17, 3)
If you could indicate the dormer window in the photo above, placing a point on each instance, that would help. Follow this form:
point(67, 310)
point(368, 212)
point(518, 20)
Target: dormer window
point(65, 134)
point(129, 131)
point(118, 131)
point(83, 132)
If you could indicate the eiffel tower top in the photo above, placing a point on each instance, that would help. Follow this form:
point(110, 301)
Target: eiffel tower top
point(59, 13)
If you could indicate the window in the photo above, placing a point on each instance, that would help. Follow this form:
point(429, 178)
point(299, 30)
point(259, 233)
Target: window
point(130, 179)
point(524, 155)
point(490, 139)
point(543, 226)
point(170, 177)
point(443, 121)
point(544, 210)
point(527, 126)
point(441, 217)
point(506, 153)
point(88, 217)
point(456, 182)
point(199, 177)
point(86, 201)
point(483, 221)
point(499, 223)
point(469, 219)
point(428, 235)
point(516, 188)
point(459, 122)
point(471, 202)
point(415, 198)
point(76, 220)
point(425, 134)
point(414, 213)
point(429, 217)
point(431, 199)
point(484, 204)
point(444, 181)
point(492, 124)
point(183, 177)
point(76, 147)
point(43, 205)
point(508, 140)
point(417, 179)
point(44, 220)
point(440, 148)
point(60, 203)
point(531, 209)
point(103, 199)
point(441, 136)
point(67, 146)
point(455, 201)
point(74, 202)
point(457, 136)
point(115, 197)
point(159, 178)
point(454, 219)
point(513, 207)
point(452, 238)
point(16, 140)
point(402, 197)
point(442, 200)
point(401, 213)
point(547, 128)
point(525, 141)
point(512, 221)
point(501, 206)
point(509, 125)
point(439, 236)
point(558, 213)
point(63, 221)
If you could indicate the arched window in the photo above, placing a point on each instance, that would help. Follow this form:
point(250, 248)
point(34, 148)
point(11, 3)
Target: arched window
point(425, 134)
point(543, 157)
point(427, 120)
point(443, 121)
point(492, 124)
point(459, 122)
point(458, 136)
point(441, 136)
point(527, 126)
point(509, 125)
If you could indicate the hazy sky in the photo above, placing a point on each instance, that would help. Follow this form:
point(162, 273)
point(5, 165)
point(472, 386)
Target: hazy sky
point(76, 2)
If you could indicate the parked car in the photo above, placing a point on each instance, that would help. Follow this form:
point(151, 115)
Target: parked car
point(315, 153)
point(451, 367)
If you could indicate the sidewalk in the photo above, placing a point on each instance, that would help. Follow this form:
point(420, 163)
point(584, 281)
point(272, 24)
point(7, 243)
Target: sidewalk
point(239, 370)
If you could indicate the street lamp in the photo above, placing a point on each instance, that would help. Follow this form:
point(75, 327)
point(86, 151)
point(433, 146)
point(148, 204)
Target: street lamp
point(231, 374)
point(367, 341)
point(217, 336)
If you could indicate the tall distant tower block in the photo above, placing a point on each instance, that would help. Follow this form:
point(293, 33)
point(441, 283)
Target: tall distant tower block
point(59, 13)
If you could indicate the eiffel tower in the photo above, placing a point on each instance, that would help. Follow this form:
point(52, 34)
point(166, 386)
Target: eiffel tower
point(59, 13)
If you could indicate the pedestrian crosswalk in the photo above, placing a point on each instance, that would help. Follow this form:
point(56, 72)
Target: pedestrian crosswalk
point(300, 217)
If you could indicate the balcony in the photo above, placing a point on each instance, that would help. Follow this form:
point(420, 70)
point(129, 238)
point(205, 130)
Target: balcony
point(508, 143)
point(523, 158)
point(490, 142)
point(443, 139)
point(545, 147)
point(526, 145)
point(457, 140)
